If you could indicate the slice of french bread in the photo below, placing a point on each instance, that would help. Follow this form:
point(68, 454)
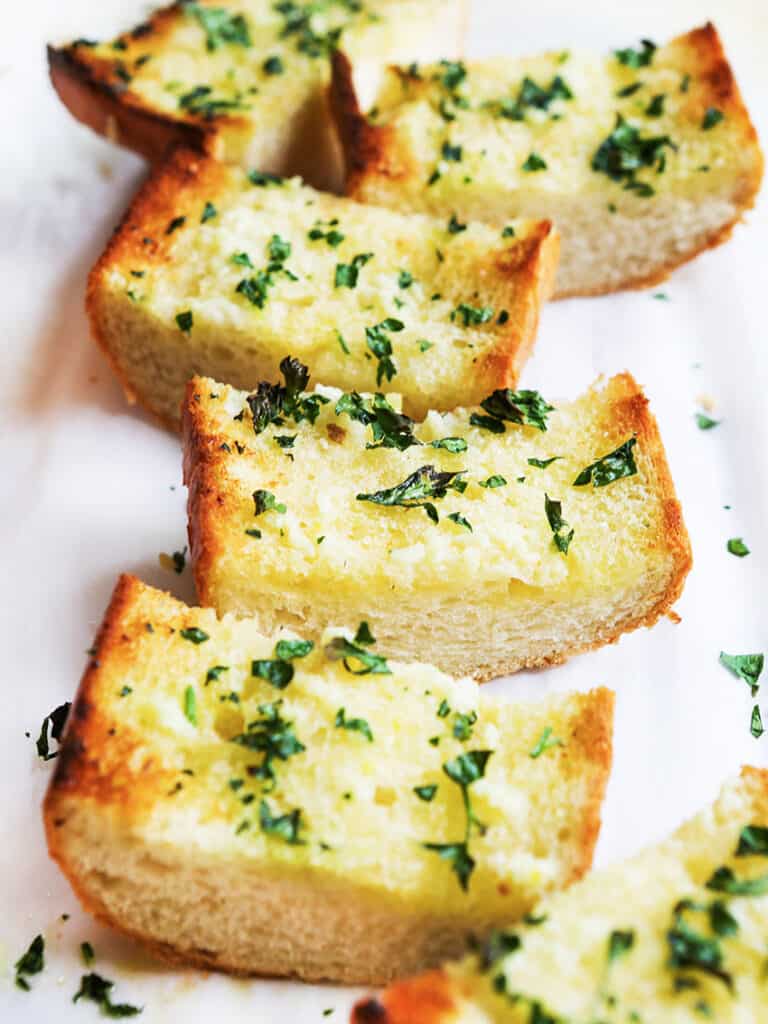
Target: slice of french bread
point(674, 935)
point(642, 159)
point(244, 80)
point(484, 540)
point(258, 805)
point(223, 273)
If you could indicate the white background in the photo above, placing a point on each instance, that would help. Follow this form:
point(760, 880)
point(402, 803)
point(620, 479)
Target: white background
point(90, 488)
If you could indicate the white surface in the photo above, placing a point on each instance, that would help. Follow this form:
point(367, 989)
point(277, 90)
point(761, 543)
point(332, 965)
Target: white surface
point(91, 488)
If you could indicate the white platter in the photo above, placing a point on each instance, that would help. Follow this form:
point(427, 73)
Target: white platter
point(90, 488)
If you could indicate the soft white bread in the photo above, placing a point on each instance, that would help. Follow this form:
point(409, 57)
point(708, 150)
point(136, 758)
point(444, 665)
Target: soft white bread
point(642, 159)
point(244, 80)
point(217, 272)
point(676, 935)
point(475, 567)
point(186, 727)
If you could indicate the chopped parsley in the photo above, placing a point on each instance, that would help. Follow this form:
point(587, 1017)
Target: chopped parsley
point(452, 153)
point(209, 212)
point(690, 950)
point(736, 546)
point(460, 520)
point(756, 723)
point(545, 742)
point(263, 179)
point(496, 480)
point(273, 66)
point(463, 724)
point(656, 107)
point(619, 944)
point(270, 402)
point(753, 841)
point(289, 649)
point(455, 226)
point(404, 279)
point(561, 535)
point(175, 224)
point(534, 162)
point(185, 321)
point(353, 724)
point(450, 444)
point(273, 737)
point(425, 482)
point(57, 719)
point(256, 288)
point(613, 466)
point(711, 117)
point(624, 152)
point(194, 635)
point(543, 463)
point(285, 826)
point(744, 666)
point(641, 58)
point(378, 341)
point(390, 429)
point(704, 422)
point(347, 273)
point(215, 672)
point(220, 27)
point(265, 501)
point(31, 962)
point(201, 101)
point(331, 236)
point(464, 770)
point(425, 793)
point(87, 953)
point(356, 659)
point(472, 316)
point(724, 880)
point(190, 705)
point(98, 990)
point(532, 95)
point(524, 407)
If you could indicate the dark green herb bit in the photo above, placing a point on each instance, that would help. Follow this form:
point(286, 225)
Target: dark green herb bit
point(744, 666)
point(619, 944)
point(498, 946)
point(87, 953)
point(273, 736)
point(460, 520)
point(631, 58)
point(179, 560)
point(426, 482)
point(472, 316)
point(756, 723)
point(97, 989)
point(276, 671)
point(533, 95)
point(455, 226)
point(462, 725)
point(215, 673)
point(265, 501)
point(404, 279)
point(57, 719)
point(262, 179)
point(289, 649)
point(184, 321)
point(629, 90)
point(194, 635)
point(543, 463)
point(524, 407)
point(270, 402)
point(176, 223)
point(625, 152)
point(444, 710)
point(354, 654)
point(31, 962)
point(353, 724)
point(724, 880)
point(286, 441)
point(561, 535)
point(613, 466)
point(464, 771)
point(450, 444)
point(390, 429)
point(425, 793)
point(508, 232)
point(201, 101)
point(496, 480)
point(753, 841)
point(534, 162)
point(284, 826)
point(378, 341)
point(450, 152)
point(656, 107)
point(220, 26)
point(712, 117)
point(721, 920)
point(273, 66)
point(190, 705)
point(347, 273)
point(690, 950)
point(704, 422)
point(736, 546)
point(545, 742)
point(209, 212)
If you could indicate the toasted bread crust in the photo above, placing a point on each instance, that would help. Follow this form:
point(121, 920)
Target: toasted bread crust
point(373, 151)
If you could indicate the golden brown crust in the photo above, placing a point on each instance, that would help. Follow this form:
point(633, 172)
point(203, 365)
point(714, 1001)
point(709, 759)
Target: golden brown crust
point(177, 188)
point(373, 151)
point(91, 88)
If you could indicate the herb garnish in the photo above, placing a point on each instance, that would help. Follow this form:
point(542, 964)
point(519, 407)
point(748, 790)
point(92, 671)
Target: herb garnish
point(341, 648)
point(190, 705)
point(744, 666)
point(194, 635)
point(625, 152)
point(637, 58)
point(724, 880)
point(285, 826)
point(353, 724)
point(57, 719)
point(613, 466)
point(273, 736)
point(278, 670)
point(31, 962)
point(472, 316)
point(425, 793)
point(561, 536)
point(753, 841)
point(704, 422)
point(495, 480)
point(220, 26)
point(269, 402)
point(464, 771)
point(332, 237)
point(378, 341)
point(545, 742)
point(425, 482)
point(736, 546)
point(273, 66)
point(532, 95)
point(619, 944)
point(97, 990)
point(525, 407)
point(347, 273)
point(390, 429)
point(712, 117)
point(691, 950)
point(184, 321)
point(201, 101)
point(256, 288)
point(543, 463)
point(534, 162)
